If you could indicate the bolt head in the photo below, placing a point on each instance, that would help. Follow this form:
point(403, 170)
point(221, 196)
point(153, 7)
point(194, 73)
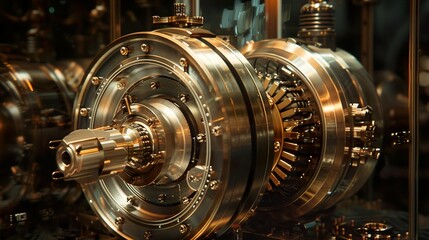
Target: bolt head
point(145, 48)
point(217, 131)
point(124, 51)
point(84, 112)
point(183, 228)
point(95, 81)
point(119, 220)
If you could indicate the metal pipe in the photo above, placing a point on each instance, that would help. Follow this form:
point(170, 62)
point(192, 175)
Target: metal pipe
point(115, 19)
point(413, 100)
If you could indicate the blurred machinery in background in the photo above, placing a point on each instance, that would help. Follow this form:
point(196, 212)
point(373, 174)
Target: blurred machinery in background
point(172, 133)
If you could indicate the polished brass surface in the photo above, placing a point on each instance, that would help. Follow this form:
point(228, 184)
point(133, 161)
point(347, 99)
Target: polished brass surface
point(200, 108)
point(329, 115)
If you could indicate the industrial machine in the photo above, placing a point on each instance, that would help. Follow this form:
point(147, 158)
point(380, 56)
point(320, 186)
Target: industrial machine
point(184, 133)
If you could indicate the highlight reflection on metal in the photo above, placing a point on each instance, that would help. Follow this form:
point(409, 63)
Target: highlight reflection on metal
point(325, 113)
point(36, 101)
point(170, 132)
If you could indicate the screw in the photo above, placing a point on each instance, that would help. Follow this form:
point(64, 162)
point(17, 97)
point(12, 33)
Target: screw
point(124, 51)
point(145, 48)
point(154, 85)
point(84, 112)
point(119, 220)
point(201, 137)
point(95, 81)
point(217, 130)
point(183, 228)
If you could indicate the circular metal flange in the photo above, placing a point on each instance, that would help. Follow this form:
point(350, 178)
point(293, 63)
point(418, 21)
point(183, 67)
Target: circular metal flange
point(211, 105)
point(35, 103)
point(327, 112)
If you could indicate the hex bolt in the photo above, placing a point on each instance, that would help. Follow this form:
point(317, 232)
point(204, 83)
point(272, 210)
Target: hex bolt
point(183, 228)
point(119, 220)
point(84, 112)
point(217, 131)
point(276, 146)
point(201, 137)
point(154, 85)
point(145, 48)
point(124, 51)
point(95, 81)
